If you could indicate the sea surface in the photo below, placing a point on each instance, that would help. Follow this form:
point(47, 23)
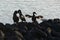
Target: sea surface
point(49, 9)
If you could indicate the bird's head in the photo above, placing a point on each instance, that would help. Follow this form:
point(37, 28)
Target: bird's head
point(19, 11)
point(15, 12)
point(34, 13)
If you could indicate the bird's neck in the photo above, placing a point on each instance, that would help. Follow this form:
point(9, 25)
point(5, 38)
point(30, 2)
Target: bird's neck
point(33, 14)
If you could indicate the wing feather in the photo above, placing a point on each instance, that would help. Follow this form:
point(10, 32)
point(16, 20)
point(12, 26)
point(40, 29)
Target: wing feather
point(39, 16)
point(28, 16)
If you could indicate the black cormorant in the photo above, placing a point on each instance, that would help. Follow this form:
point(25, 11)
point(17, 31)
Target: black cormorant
point(21, 16)
point(34, 17)
point(15, 17)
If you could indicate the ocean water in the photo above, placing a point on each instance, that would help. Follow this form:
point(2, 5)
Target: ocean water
point(49, 9)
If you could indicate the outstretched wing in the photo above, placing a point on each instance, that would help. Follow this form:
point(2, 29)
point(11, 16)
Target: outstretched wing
point(28, 16)
point(39, 16)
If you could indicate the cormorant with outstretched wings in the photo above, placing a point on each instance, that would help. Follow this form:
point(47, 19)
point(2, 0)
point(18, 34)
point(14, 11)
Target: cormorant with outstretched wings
point(34, 17)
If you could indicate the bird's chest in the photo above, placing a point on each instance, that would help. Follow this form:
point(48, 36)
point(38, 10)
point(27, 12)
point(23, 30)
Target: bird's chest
point(33, 18)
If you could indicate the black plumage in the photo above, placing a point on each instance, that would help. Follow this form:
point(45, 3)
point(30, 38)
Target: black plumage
point(15, 17)
point(21, 16)
point(34, 17)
